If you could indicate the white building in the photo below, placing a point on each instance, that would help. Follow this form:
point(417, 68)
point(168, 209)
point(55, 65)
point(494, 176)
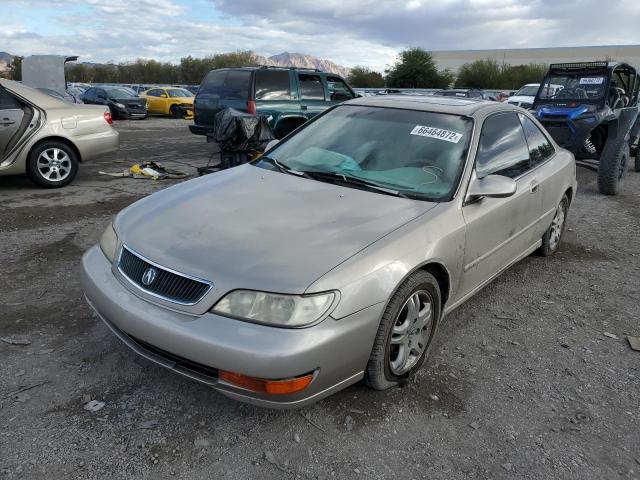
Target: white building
point(454, 59)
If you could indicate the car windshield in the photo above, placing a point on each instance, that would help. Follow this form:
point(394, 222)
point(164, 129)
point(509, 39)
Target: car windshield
point(120, 93)
point(527, 91)
point(574, 86)
point(178, 92)
point(420, 154)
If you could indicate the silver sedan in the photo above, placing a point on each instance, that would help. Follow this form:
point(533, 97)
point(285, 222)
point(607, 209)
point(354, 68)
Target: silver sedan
point(335, 256)
point(47, 137)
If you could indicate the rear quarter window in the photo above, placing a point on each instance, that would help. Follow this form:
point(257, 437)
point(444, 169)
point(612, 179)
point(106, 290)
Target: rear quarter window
point(273, 85)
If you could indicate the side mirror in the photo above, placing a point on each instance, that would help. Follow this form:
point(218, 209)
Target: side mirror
point(272, 144)
point(491, 186)
point(164, 95)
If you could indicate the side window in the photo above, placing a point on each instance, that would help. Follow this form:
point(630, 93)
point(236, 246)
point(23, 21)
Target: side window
point(311, 87)
point(101, 94)
point(155, 92)
point(540, 149)
point(7, 101)
point(273, 85)
point(89, 94)
point(338, 89)
point(503, 149)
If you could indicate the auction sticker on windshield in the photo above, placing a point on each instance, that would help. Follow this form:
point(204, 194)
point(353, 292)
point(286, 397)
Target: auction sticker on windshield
point(591, 81)
point(438, 133)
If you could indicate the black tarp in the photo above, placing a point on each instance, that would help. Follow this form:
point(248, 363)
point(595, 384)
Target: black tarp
point(236, 131)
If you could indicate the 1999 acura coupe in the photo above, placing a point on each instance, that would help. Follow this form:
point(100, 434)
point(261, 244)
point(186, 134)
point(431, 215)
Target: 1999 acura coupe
point(335, 256)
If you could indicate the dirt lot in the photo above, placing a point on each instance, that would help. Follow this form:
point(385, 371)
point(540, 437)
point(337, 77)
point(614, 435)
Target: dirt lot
point(522, 383)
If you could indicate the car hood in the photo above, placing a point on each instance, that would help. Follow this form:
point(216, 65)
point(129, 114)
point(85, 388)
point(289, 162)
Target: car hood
point(521, 98)
point(253, 228)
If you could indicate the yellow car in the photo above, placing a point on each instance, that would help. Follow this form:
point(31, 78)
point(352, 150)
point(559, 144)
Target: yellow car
point(174, 101)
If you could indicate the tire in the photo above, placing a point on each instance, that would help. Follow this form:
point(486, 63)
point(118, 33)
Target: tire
point(52, 164)
point(386, 368)
point(552, 237)
point(613, 167)
point(636, 165)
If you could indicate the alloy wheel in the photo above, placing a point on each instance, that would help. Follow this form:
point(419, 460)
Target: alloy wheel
point(54, 164)
point(411, 332)
point(557, 225)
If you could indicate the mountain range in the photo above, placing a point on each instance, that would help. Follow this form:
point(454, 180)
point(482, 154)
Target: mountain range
point(284, 59)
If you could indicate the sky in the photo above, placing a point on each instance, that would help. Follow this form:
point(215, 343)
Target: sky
point(348, 32)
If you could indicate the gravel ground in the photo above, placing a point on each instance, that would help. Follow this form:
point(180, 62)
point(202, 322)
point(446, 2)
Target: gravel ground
point(533, 378)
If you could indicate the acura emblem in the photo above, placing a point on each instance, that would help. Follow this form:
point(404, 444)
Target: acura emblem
point(149, 276)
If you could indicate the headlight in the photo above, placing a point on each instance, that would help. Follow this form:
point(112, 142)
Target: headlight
point(109, 242)
point(120, 105)
point(276, 309)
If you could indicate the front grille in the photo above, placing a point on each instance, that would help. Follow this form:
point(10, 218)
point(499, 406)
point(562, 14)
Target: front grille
point(168, 285)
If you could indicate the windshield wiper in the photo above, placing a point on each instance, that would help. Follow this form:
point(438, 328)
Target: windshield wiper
point(340, 177)
point(283, 168)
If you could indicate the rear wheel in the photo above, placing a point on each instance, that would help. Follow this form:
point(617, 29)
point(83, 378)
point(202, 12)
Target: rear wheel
point(405, 333)
point(52, 164)
point(553, 235)
point(613, 167)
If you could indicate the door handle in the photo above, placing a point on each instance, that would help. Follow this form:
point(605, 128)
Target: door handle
point(6, 121)
point(533, 186)
point(303, 107)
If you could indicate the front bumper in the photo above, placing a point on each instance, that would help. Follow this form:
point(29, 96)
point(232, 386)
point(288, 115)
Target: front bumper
point(199, 345)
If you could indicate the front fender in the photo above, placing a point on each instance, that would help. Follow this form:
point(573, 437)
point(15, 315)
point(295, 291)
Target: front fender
point(374, 274)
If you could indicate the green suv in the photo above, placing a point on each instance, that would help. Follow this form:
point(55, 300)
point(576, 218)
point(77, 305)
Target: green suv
point(287, 96)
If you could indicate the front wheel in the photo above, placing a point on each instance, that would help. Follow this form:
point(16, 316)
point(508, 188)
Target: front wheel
point(405, 333)
point(613, 167)
point(553, 235)
point(52, 164)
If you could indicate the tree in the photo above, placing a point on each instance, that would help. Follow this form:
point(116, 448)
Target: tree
point(362, 77)
point(15, 70)
point(415, 68)
point(479, 74)
point(488, 73)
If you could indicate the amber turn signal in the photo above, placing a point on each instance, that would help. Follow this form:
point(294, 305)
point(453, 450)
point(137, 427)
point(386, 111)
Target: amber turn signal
point(261, 385)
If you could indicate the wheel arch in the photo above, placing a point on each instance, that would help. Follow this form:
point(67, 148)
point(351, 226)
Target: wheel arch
point(55, 138)
point(441, 274)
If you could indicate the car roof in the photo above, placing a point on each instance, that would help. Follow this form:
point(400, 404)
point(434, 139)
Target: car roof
point(460, 106)
point(34, 95)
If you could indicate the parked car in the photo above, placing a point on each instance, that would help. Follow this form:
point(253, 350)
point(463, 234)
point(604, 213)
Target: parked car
point(526, 95)
point(47, 137)
point(176, 102)
point(594, 115)
point(335, 256)
point(464, 93)
point(67, 97)
point(122, 102)
point(287, 96)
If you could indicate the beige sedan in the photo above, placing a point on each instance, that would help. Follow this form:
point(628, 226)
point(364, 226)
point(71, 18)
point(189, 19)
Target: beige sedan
point(47, 138)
